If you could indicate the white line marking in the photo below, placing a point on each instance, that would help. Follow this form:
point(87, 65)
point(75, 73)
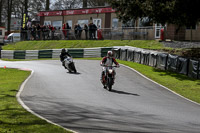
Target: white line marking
point(27, 108)
point(160, 84)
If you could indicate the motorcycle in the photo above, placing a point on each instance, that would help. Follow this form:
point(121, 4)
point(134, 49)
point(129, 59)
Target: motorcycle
point(69, 64)
point(108, 77)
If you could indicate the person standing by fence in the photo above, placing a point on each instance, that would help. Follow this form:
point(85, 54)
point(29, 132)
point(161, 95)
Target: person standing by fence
point(38, 31)
point(86, 31)
point(64, 30)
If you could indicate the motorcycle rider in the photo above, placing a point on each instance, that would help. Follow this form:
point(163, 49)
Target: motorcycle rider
point(107, 61)
point(64, 52)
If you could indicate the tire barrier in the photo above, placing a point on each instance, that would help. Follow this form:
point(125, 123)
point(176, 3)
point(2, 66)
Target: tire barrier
point(153, 59)
point(130, 55)
point(145, 57)
point(45, 54)
point(7, 54)
point(56, 53)
point(137, 55)
point(193, 68)
point(172, 63)
point(104, 51)
point(116, 52)
point(76, 53)
point(31, 54)
point(123, 54)
point(182, 65)
point(19, 54)
point(163, 61)
point(92, 52)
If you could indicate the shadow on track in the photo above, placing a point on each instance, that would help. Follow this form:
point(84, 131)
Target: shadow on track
point(77, 73)
point(122, 92)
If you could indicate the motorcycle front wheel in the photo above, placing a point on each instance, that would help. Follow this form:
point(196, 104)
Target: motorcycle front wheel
point(110, 83)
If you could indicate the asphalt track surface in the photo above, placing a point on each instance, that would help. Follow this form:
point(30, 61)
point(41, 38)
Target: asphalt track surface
point(79, 102)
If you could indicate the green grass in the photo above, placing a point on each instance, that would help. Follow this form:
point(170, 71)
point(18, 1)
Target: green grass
point(53, 44)
point(181, 84)
point(13, 118)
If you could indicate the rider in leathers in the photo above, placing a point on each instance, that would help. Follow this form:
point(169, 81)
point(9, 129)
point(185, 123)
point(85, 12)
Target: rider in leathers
point(64, 53)
point(107, 61)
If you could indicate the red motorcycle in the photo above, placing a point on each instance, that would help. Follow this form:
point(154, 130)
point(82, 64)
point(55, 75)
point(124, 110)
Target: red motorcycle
point(109, 77)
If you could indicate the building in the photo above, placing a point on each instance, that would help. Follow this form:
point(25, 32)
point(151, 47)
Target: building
point(105, 18)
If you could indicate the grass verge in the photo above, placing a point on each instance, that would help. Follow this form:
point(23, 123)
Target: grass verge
point(13, 118)
point(181, 84)
point(53, 44)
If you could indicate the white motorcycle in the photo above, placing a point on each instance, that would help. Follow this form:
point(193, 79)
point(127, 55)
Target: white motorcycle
point(69, 64)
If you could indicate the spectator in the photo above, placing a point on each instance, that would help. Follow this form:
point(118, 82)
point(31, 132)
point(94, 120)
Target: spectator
point(67, 30)
point(94, 29)
point(38, 31)
point(64, 30)
point(43, 28)
point(79, 31)
point(33, 32)
point(90, 31)
point(86, 31)
point(76, 30)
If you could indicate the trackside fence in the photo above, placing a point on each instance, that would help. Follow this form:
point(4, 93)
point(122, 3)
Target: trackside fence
point(159, 60)
point(163, 61)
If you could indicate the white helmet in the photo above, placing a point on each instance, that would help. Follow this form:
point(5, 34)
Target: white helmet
point(110, 54)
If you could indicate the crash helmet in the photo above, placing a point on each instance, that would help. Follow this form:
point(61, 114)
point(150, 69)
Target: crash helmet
point(64, 50)
point(110, 54)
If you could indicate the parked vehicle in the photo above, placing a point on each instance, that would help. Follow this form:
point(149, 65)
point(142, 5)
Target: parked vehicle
point(12, 37)
point(109, 77)
point(69, 64)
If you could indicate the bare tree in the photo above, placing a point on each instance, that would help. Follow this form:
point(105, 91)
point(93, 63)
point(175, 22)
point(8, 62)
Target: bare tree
point(9, 12)
point(85, 3)
point(47, 4)
point(66, 4)
point(93, 3)
point(1, 10)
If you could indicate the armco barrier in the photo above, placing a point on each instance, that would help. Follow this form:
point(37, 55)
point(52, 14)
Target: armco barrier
point(104, 51)
point(45, 54)
point(76, 53)
point(182, 65)
point(161, 61)
point(92, 52)
point(153, 59)
point(31, 54)
point(56, 53)
point(193, 68)
point(172, 62)
point(7, 54)
point(19, 54)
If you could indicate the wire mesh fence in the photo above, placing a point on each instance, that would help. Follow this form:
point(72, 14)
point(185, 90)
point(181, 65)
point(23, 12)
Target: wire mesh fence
point(122, 33)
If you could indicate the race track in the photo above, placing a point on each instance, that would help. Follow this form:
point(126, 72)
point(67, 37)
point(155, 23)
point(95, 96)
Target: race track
point(79, 102)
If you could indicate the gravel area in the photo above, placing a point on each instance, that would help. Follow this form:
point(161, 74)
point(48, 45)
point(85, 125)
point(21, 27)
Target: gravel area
point(177, 44)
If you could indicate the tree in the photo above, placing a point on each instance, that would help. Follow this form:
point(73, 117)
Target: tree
point(66, 4)
point(47, 5)
point(85, 3)
point(9, 12)
point(93, 3)
point(1, 10)
point(180, 12)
